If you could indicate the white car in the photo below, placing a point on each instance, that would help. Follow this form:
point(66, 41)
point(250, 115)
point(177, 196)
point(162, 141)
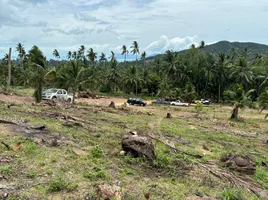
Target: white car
point(178, 103)
point(52, 94)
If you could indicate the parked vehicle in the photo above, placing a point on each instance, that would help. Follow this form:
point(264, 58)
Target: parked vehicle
point(178, 103)
point(52, 94)
point(136, 101)
point(203, 101)
point(159, 101)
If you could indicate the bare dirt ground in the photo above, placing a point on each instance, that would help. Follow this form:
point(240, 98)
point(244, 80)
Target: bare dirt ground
point(16, 99)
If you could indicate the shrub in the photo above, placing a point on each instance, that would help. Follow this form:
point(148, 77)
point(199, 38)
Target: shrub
point(198, 107)
point(97, 152)
point(57, 185)
point(230, 194)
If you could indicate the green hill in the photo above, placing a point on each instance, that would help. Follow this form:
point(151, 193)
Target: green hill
point(225, 46)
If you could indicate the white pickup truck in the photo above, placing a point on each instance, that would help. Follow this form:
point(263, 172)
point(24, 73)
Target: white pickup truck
point(178, 103)
point(57, 94)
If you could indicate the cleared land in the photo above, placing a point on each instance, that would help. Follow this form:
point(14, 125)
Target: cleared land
point(79, 149)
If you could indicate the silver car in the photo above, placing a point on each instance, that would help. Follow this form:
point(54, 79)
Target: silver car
point(57, 94)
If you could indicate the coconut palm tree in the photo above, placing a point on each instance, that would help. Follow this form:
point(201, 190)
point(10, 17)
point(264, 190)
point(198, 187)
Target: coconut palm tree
point(81, 52)
point(143, 57)
point(38, 73)
point(112, 57)
point(131, 79)
point(69, 55)
point(263, 101)
point(21, 51)
point(171, 60)
point(189, 92)
point(102, 58)
point(242, 73)
point(56, 54)
point(73, 75)
point(135, 50)
point(124, 52)
point(113, 76)
point(74, 55)
point(202, 45)
point(221, 65)
point(92, 56)
point(239, 98)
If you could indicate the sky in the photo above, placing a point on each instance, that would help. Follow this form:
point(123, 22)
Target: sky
point(106, 25)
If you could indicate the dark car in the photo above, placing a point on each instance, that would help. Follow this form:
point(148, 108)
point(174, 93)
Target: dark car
point(136, 101)
point(160, 101)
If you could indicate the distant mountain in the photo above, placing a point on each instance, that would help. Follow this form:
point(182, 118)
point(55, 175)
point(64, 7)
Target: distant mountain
point(225, 46)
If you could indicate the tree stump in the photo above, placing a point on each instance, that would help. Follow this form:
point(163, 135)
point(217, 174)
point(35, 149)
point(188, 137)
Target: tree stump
point(169, 115)
point(112, 105)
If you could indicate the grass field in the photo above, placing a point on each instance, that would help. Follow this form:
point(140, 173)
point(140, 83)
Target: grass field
point(70, 161)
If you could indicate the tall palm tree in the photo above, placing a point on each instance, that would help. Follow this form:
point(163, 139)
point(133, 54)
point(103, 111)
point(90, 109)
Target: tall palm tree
point(242, 73)
point(189, 92)
point(102, 58)
point(73, 75)
point(21, 51)
point(92, 56)
point(124, 52)
point(171, 60)
point(56, 54)
point(131, 79)
point(81, 52)
point(69, 55)
point(263, 101)
point(202, 45)
point(222, 64)
point(113, 76)
point(74, 55)
point(135, 50)
point(239, 98)
point(112, 57)
point(37, 61)
point(143, 57)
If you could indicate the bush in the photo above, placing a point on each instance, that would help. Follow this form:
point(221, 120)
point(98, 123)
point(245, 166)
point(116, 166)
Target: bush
point(57, 185)
point(230, 194)
point(97, 152)
point(198, 107)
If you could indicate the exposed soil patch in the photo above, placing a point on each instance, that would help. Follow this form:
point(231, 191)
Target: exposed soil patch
point(17, 99)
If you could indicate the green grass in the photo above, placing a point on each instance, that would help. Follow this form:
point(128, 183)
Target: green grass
point(88, 157)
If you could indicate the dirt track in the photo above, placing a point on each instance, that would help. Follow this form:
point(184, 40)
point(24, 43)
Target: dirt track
point(27, 100)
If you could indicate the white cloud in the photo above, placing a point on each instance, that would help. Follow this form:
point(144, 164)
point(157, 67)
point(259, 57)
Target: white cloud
point(176, 44)
point(65, 23)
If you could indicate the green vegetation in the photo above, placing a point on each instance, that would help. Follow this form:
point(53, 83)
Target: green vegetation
point(190, 75)
point(81, 146)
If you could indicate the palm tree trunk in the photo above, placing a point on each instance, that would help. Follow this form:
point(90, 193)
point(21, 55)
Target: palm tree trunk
point(9, 69)
point(235, 113)
point(125, 59)
point(219, 93)
point(74, 92)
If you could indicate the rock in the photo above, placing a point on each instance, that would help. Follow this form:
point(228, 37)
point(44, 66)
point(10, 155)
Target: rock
point(122, 153)
point(112, 105)
point(169, 115)
point(239, 163)
point(139, 146)
point(109, 192)
point(205, 147)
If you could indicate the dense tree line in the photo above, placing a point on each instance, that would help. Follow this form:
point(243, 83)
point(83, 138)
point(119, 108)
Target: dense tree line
point(188, 75)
